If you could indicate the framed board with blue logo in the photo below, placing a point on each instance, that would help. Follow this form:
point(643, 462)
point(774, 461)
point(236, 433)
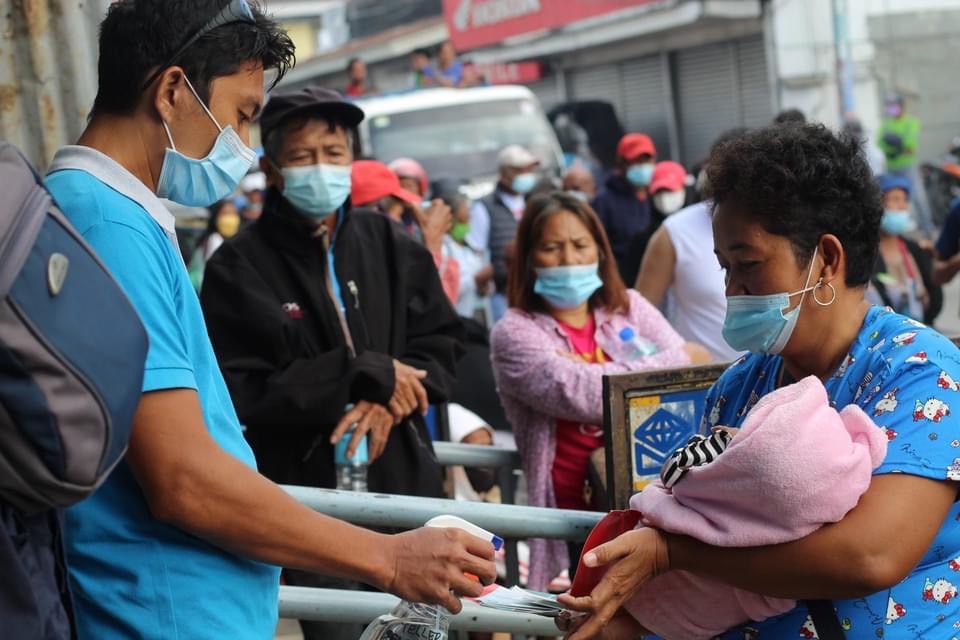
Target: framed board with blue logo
point(647, 416)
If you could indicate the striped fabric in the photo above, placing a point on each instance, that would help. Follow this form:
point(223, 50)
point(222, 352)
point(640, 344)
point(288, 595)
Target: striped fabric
point(699, 450)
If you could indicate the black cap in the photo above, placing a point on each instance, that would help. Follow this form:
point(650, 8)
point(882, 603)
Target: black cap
point(283, 105)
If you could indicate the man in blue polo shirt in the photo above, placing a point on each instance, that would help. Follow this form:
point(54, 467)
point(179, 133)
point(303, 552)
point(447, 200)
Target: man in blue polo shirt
point(182, 539)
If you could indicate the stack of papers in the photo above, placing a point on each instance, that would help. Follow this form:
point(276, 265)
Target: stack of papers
point(520, 600)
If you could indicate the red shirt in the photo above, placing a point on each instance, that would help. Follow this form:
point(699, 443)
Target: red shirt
point(576, 441)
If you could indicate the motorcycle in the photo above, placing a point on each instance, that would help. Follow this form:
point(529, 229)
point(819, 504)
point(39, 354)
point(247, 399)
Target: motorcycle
point(942, 182)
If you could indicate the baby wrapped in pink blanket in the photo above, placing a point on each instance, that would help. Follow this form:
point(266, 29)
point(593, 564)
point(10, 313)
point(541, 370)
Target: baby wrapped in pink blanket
point(795, 465)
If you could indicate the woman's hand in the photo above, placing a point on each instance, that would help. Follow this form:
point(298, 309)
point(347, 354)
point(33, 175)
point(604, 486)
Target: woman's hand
point(621, 627)
point(638, 556)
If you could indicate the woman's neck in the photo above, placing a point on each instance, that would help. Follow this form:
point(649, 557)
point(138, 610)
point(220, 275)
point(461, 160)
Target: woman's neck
point(887, 240)
point(577, 317)
point(836, 332)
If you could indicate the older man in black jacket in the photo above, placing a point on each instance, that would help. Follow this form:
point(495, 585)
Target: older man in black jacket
point(317, 306)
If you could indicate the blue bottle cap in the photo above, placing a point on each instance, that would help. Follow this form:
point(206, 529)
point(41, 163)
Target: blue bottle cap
point(627, 334)
point(361, 456)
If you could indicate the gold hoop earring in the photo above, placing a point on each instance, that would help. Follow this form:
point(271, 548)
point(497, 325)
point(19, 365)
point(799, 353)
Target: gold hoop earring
point(832, 290)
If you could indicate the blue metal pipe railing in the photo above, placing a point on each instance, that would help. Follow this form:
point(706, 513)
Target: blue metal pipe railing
point(410, 512)
point(334, 605)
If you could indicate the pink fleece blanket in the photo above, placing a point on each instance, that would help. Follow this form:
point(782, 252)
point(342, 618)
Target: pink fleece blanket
point(795, 465)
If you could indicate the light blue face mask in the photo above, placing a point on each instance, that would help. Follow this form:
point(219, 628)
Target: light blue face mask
point(199, 182)
point(567, 287)
point(317, 190)
point(524, 183)
point(579, 195)
point(759, 324)
point(640, 175)
point(897, 222)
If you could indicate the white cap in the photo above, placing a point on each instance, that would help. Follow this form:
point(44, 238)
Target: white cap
point(516, 157)
point(256, 181)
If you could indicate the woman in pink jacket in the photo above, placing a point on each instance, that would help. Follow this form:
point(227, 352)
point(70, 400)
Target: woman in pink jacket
point(565, 330)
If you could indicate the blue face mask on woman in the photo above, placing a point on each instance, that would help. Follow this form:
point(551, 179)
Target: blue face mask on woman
point(759, 324)
point(199, 182)
point(317, 190)
point(640, 175)
point(896, 222)
point(569, 286)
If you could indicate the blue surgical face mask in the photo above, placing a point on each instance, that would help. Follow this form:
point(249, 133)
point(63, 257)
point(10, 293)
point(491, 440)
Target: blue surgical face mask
point(759, 324)
point(199, 182)
point(317, 190)
point(524, 183)
point(897, 222)
point(567, 287)
point(579, 195)
point(640, 175)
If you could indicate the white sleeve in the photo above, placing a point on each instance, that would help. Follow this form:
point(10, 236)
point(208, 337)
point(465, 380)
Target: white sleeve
point(479, 235)
point(463, 422)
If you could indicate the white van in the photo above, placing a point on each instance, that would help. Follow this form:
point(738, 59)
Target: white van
point(457, 133)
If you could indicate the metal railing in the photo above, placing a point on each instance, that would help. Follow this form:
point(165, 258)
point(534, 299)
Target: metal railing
point(512, 522)
point(406, 512)
point(410, 512)
point(335, 605)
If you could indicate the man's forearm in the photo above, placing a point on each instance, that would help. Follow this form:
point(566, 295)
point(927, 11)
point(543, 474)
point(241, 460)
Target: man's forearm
point(236, 508)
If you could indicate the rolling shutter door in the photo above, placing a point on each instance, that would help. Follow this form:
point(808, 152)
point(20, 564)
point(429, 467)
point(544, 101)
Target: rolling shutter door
point(707, 97)
point(600, 82)
point(755, 97)
point(645, 100)
point(720, 86)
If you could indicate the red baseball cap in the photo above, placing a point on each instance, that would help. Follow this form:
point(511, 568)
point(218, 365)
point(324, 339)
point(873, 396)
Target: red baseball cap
point(668, 175)
point(372, 180)
point(634, 145)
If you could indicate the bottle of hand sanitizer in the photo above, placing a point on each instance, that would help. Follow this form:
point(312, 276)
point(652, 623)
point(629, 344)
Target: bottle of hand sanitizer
point(416, 621)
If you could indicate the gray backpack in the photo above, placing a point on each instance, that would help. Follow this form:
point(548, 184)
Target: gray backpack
point(72, 352)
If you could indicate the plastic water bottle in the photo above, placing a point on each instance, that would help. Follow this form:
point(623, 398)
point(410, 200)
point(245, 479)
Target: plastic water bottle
point(351, 472)
point(416, 621)
point(633, 347)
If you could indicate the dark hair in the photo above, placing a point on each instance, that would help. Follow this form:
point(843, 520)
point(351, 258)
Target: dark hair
point(612, 295)
point(274, 140)
point(801, 182)
point(352, 62)
point(140, 37)
point(420, 52)
point(790, 116)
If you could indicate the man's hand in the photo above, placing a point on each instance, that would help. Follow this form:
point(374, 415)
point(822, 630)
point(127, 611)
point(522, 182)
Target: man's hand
point(370, 418)
point(409, 393)
point(638, 556)
point(435, 221)
point(484, 278)
point(428, 565)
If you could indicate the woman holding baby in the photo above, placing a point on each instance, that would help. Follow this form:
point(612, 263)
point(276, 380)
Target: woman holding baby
point(796, 230)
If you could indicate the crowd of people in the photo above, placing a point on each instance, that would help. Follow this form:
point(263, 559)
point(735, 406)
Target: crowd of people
point(343, 298)
point(437, 67)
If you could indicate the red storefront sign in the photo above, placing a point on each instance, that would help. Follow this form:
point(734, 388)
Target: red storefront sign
point(511, 72)
point(477, 23)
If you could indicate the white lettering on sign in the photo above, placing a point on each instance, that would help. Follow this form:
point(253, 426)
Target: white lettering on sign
point(486, 13)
